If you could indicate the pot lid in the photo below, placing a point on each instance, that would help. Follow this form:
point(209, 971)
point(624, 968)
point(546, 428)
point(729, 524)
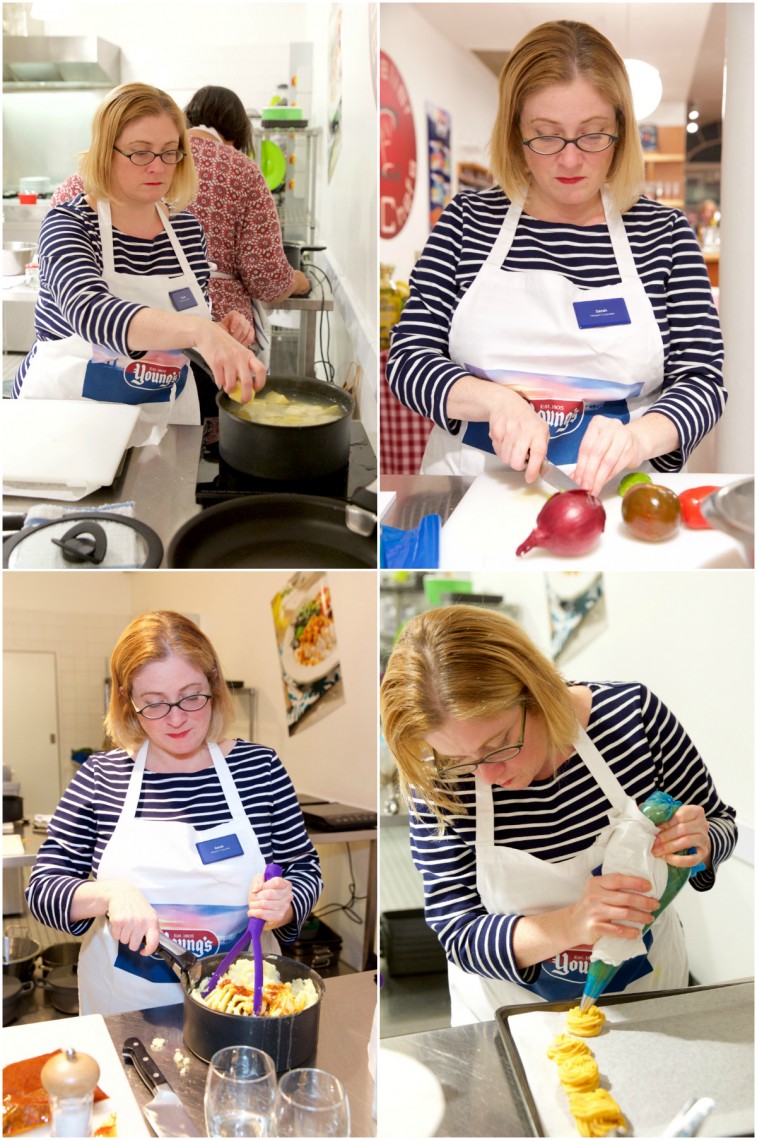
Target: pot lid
point(63, 977)
point(84, 540)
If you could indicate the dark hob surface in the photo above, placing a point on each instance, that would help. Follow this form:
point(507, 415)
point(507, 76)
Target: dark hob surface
point(217, 481)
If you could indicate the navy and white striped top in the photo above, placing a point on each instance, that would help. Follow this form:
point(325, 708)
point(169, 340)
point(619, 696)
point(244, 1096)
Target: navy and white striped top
point(670, 265)
point(74, 298)
point(554, 819)
point(88, 811)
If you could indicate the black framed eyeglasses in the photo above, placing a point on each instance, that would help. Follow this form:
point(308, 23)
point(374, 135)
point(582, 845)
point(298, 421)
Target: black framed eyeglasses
point(145, 157)
point(157, 711)
point(553, 144)
point(445, 766)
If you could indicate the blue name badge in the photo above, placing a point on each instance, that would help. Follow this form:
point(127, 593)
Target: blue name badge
point(183, 299)
point(595, 314)
point(214, 850)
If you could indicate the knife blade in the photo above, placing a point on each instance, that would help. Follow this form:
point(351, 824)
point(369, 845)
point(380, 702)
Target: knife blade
point(557, 478)
point(165, 1111)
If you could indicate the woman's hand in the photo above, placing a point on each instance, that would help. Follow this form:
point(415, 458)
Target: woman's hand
point(301, 284)
point(519, 435)
point(239, 327)
point(607, 448)
point(610, 447)
point(272, 900)
point(229, 361)
point(688, 827)
point(131, 918)
point(608, 905)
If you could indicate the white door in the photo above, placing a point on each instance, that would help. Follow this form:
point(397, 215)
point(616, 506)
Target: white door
point(30, 728)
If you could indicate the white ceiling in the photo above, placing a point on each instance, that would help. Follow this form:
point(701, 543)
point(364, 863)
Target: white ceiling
point(685, 41)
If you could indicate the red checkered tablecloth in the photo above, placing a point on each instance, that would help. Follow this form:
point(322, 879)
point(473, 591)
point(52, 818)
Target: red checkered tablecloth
point(403, 433)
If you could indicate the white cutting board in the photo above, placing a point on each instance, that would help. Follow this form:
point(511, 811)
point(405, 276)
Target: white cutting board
point(62, 449)
point(90, 1035)
point(499, 511)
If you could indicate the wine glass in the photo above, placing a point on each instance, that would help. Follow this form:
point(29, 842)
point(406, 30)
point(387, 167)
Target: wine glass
point(240, 1093)
point(311, 1102)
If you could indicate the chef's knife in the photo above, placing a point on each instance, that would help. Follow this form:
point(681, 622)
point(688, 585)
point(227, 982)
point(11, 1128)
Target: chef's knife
point(557, 478)
point(165, 1111)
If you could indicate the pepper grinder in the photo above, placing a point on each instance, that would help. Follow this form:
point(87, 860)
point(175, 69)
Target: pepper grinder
point(70, 1079)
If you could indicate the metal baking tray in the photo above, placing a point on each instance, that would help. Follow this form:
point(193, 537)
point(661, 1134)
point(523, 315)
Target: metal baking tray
point(536, 1084)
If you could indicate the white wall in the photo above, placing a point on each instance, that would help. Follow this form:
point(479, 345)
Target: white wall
point(437, 71)
point(690, 638)
point(79, 617)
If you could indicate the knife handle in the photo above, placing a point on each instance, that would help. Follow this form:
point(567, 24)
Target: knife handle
point(133, 1050)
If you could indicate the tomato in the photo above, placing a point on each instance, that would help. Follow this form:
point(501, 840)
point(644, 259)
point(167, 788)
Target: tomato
point(651, 512)
point(691, 501)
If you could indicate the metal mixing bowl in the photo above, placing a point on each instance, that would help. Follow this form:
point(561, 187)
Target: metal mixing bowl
point(731, 509)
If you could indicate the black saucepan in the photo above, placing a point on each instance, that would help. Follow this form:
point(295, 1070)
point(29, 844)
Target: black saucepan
point(299, 532)
point(274, 452)
point(14, 992)
point(289, 1041)
point(62, 984)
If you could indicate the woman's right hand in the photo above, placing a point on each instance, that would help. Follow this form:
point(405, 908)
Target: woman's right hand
point(131, 918)
point(230, 362)
point(519, 435)
point(607, 906)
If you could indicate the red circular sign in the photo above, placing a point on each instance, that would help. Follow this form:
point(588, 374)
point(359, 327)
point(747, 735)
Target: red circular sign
point(398, 154)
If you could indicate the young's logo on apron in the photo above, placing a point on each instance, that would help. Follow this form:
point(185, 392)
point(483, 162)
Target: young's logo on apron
point(203, 943)
point(151, 375)
point(561, 416)
point(571, 964)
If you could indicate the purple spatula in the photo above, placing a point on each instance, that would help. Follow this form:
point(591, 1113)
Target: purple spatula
point(251, 936)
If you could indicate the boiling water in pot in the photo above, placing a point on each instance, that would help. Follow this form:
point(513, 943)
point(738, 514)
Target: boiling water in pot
point(278, 410)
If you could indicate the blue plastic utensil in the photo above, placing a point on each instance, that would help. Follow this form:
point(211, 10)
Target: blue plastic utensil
point(251, 936)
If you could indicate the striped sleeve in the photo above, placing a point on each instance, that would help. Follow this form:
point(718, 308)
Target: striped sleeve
point(694, 395)
point(66, 857)
point(646, 748)
point(76, 298)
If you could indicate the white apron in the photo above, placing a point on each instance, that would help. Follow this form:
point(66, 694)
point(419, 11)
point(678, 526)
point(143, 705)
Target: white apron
point(160, 380)
point(522, 330)
point(514, 882)
point(202, 905)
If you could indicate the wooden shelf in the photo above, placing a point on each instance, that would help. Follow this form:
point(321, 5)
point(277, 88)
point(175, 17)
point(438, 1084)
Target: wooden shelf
point(657, 156)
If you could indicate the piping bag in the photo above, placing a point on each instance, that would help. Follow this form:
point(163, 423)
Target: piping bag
point(629, 852)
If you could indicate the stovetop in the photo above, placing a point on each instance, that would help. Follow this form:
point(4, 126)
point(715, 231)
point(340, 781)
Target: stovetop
point(217, 481)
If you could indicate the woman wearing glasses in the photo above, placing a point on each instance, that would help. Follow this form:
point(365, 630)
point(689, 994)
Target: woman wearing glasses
point(561, 313)
point(172, 830)
point(123, 277)
point(513, 777)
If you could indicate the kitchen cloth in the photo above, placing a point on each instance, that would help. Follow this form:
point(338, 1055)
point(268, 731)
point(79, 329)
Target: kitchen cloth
point(125, 545)
point(416, 549)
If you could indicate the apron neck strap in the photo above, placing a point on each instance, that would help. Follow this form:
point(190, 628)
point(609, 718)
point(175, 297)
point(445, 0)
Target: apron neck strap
point(621, 247)
point(105, 223)
point(229, 788)
point(594, 761)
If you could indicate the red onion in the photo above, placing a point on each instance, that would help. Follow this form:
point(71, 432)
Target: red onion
point(568, 523)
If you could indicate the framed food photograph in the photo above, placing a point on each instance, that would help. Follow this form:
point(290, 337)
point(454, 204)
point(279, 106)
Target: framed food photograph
point(306, 637)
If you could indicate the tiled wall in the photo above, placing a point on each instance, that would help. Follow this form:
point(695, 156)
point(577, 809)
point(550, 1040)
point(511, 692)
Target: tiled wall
point(82, 644)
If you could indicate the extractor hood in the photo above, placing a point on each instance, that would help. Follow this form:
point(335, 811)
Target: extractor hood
point(59, 63)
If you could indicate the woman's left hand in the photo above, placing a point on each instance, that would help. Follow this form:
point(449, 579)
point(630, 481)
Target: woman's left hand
point(688, 827)
point(272, 900)
point(239, 327)
point(607, 448)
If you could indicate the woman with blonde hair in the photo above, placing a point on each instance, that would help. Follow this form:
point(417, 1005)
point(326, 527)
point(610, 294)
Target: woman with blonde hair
point(170, 831)
point(515, 778)
point(124, 273)
point(561, 313)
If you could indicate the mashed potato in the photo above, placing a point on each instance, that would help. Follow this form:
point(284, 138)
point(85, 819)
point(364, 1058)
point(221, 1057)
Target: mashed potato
point(235, 991)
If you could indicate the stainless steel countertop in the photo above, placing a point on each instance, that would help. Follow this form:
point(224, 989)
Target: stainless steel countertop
point(160, 480)
point(344, 1032)
point(480, 1089)
point(421, 495)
